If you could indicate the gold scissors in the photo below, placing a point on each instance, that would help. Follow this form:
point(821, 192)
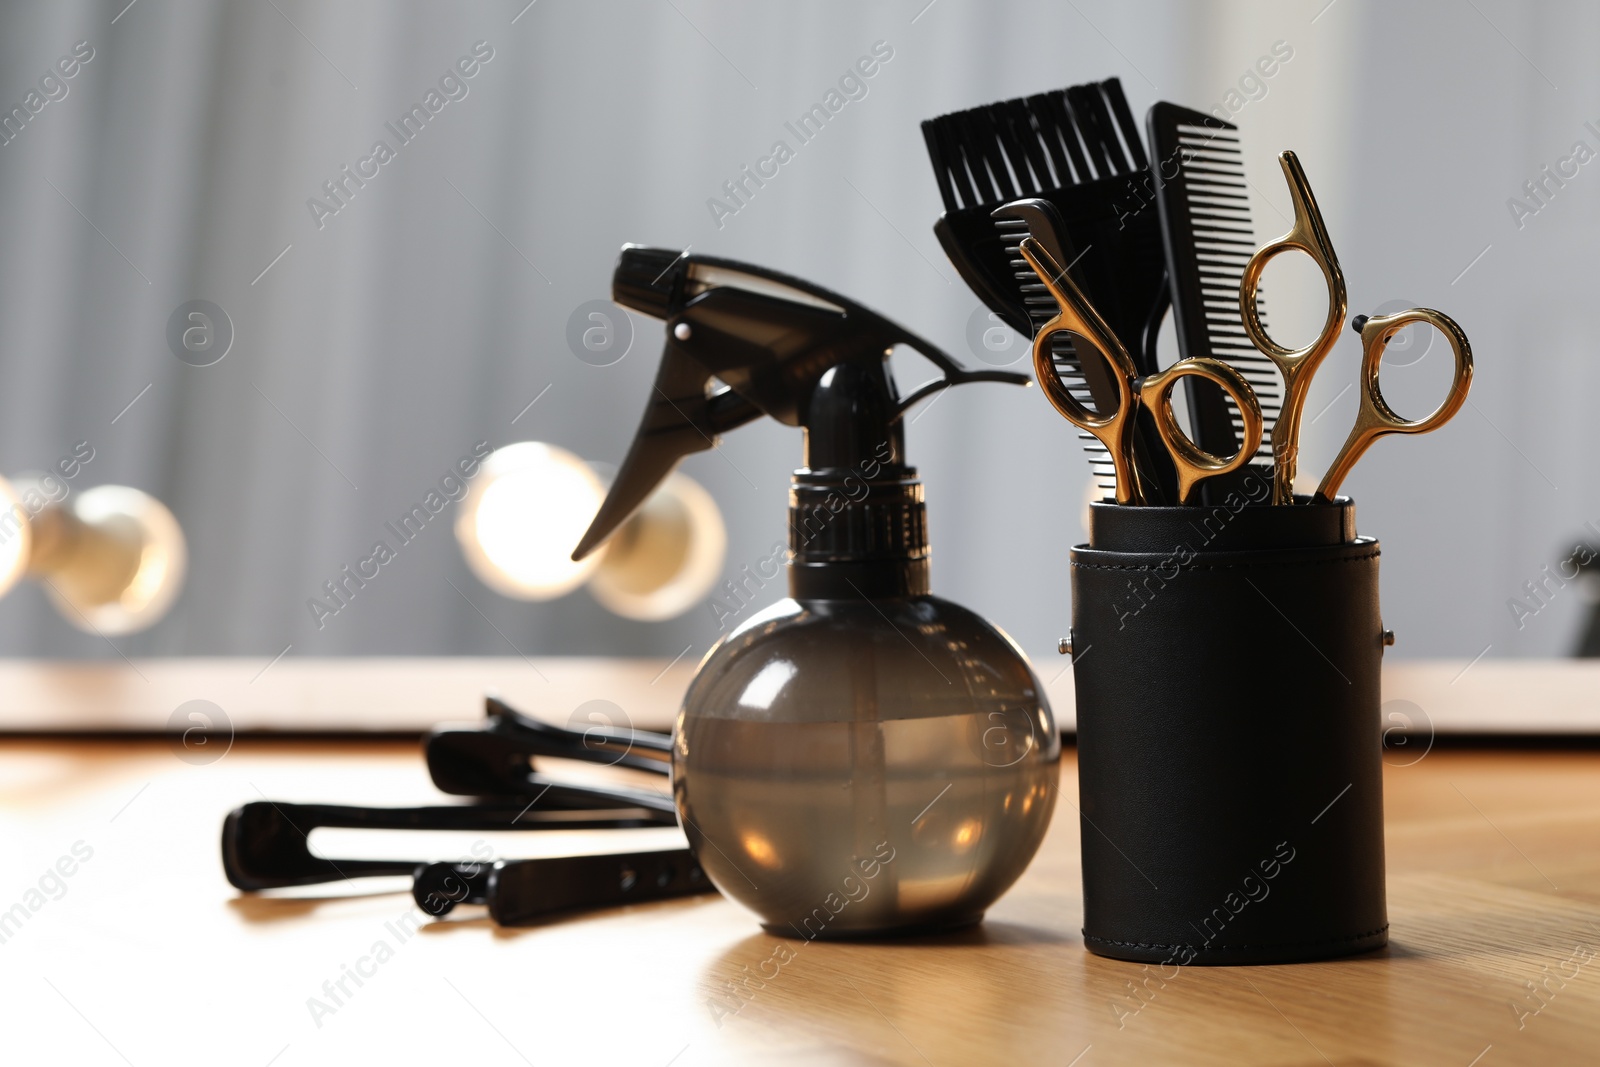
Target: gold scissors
point(1375, 418)
point(1114, 429)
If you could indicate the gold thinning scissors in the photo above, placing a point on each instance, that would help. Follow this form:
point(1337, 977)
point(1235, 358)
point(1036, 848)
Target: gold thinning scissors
point(1114, 429)
point(1375, 418)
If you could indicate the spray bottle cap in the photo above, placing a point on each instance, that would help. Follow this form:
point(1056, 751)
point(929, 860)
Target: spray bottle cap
point(807, 357)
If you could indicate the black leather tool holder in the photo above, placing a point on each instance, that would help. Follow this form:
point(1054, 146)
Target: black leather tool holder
point(1226, 663)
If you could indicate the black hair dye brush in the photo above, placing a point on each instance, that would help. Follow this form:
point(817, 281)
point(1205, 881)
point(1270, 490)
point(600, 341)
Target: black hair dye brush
point(1079, 149)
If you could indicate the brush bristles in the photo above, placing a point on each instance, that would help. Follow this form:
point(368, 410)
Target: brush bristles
point(987, 156)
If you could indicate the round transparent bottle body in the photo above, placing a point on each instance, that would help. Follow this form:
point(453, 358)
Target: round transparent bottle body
point(854, 767)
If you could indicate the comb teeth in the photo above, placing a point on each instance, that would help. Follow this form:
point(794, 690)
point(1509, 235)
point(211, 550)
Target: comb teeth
point(987, 156)
point(1205, 203)
point(1224, 241)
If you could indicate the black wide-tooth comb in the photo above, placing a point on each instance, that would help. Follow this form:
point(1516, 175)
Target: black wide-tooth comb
point(1078, 148)
point(1203, 201)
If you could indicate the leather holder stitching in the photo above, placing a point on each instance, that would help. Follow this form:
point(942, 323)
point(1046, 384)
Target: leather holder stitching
point(1235, 948)
point(1223, 567)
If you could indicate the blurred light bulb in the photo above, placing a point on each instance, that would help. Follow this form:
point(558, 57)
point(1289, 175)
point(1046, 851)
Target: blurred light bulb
point(16, 537)
point(525, 510)
point(112, 558)
point(532, 503)
point(666, 558)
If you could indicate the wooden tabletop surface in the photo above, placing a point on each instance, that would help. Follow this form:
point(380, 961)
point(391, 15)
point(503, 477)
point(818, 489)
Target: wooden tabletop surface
point(144, 955)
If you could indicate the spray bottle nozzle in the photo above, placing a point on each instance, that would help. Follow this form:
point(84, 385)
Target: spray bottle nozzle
point(645, 281)
point(743, 341)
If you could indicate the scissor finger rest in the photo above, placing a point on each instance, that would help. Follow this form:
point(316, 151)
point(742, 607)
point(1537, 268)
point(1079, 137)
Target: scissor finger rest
point(1193, 463)
point(1376, 418)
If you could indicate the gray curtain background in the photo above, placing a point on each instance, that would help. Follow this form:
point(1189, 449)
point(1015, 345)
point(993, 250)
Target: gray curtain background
point(371, 353)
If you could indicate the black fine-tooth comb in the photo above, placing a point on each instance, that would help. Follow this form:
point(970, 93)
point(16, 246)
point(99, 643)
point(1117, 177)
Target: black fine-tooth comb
point(1204, 205)
point(1078, 148)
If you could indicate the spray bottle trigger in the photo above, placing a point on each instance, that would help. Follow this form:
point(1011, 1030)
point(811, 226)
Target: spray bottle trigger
point(682, 418)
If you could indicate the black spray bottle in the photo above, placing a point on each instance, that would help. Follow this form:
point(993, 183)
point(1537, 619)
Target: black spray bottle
point(862, 757)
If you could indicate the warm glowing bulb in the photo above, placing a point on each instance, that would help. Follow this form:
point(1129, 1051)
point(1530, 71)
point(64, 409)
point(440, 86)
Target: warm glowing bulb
point(113, 559)
point(665, 559)
point(528, 507)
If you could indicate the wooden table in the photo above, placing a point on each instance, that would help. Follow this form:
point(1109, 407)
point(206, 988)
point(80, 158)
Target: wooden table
point(144, 955)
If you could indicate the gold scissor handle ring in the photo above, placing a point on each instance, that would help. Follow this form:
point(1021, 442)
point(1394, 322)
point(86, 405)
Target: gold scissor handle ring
point(1376, 334)
point(1077, 317)
point(1309, 235)
point(1194, 464)
point(1071, 408)
point(1250, 284)
point(1376, 418)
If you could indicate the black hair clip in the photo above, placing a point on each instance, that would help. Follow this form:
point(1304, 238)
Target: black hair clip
point(266, 844)
point(496, 758)
point(519, 891)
